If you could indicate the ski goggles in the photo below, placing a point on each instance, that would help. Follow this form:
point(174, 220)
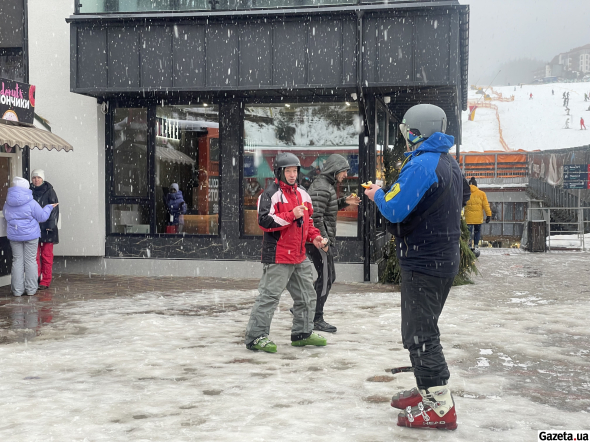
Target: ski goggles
point(410, 135)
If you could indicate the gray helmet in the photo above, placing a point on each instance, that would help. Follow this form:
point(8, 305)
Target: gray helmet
point(421, 121)
point(285, 159)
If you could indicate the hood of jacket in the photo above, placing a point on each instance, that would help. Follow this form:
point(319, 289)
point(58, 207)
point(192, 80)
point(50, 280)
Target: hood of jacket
point(176, 196)
point(17, 196)
point(437, 143)
point(40, 190)
point(473, 188)
point(333, 165)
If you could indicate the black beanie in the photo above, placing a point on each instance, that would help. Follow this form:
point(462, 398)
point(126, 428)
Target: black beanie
point(472, 181)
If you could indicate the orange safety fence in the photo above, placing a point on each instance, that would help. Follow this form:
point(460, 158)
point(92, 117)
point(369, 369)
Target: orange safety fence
point(490, 164)
point(476, 104)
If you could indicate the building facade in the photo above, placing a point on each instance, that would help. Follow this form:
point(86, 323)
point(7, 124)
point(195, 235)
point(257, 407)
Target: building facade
point(205, 94)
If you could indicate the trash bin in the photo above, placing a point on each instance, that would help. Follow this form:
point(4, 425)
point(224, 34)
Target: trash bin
point(537, 234)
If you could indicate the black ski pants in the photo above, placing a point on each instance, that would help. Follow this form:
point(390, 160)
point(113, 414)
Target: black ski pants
point(324, 265)
point(422, 301)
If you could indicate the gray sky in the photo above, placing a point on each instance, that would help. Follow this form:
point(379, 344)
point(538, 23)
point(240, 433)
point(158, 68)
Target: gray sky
point(504, 30)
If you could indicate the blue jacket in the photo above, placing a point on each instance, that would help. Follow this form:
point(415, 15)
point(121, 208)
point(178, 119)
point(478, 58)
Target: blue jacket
point(429, 245)
point(175, 205)
point(23, 215)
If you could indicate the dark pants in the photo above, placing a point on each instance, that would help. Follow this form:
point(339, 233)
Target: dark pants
point(324, 265)
point(423, 298)
point(474, 233)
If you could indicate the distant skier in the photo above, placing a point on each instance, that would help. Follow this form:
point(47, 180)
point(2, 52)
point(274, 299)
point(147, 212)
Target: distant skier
point(582, 125)
point(585, 96)
point(531, 96)
point(552, 92)
point(567, 123)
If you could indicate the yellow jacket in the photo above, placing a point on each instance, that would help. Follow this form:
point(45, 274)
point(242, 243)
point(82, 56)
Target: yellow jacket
point(476, 205)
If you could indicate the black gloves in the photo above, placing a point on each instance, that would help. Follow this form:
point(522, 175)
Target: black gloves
point(488, 219)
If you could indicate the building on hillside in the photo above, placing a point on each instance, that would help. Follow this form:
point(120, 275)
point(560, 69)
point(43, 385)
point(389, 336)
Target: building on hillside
point(569, 64)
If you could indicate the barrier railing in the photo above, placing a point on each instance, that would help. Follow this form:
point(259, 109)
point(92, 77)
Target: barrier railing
point(488, 105)
point(581, 224)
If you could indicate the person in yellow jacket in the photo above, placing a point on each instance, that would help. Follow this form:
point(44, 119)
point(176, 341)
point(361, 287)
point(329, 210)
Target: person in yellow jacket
point(474, 213)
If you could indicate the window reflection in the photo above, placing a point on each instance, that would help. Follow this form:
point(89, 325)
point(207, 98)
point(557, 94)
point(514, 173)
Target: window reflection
point(312, 132)
point(187, 169)
point(130, 219)
point(130, 152)
point(97, 6)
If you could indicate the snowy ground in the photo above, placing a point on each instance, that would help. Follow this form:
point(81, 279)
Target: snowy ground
point(172, 367)
point(530, 124)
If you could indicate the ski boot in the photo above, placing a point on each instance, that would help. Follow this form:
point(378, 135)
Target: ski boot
point(436, 411)
point(407, 398)
point(262, 343)
point(313, 339)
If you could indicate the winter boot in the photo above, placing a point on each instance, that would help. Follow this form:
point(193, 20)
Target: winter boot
point(262, 343)
point(437, 410)
point(322, 325)
point(406, 398)
point(313, 339)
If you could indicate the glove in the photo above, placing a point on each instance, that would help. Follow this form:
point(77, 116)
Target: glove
point(488, 219)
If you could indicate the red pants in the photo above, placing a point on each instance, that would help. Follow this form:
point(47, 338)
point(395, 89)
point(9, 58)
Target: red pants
point(45, 262)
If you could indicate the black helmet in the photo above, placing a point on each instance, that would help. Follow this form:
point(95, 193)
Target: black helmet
point(421, 121)
point(285, 159)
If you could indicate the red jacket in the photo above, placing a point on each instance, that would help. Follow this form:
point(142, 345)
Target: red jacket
point(284, 240)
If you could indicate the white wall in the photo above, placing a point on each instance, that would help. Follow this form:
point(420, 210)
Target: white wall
point(78, 176)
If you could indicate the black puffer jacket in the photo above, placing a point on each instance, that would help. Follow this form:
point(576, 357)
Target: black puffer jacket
point(323, 197)
point(44, 194)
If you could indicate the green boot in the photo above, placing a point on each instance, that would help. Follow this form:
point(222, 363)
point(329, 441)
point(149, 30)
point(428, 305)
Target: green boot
point(313, 339)
point(264, 344)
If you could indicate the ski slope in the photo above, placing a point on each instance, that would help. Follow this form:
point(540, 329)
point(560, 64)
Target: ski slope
point(537, 124)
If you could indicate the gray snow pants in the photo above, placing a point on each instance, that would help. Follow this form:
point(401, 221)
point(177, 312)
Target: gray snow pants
point(297, 278)
point(24, 274)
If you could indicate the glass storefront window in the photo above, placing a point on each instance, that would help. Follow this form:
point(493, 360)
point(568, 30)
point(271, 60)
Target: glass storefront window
point(6, 175)
point(130, 218)
point(496, 209)
point(130, 174)
point(110, 6)
point(187, 154)
point(312, 132)
point(11, 65)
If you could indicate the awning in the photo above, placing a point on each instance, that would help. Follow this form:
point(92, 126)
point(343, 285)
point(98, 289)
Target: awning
point(22, 136)
point(173, 156)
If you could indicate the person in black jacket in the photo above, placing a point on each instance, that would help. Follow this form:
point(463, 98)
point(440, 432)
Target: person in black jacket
point(44, 194)
point(325, 209)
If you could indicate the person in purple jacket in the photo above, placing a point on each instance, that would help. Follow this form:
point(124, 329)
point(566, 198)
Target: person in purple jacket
point(23, 215)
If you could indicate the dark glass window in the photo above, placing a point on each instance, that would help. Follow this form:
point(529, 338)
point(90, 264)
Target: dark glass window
point(130, 174)
point(310, 131)
point(187, 154)
point(12, 64)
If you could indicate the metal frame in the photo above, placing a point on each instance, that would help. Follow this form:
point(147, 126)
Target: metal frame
point(357, 5)
point(581, 223)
